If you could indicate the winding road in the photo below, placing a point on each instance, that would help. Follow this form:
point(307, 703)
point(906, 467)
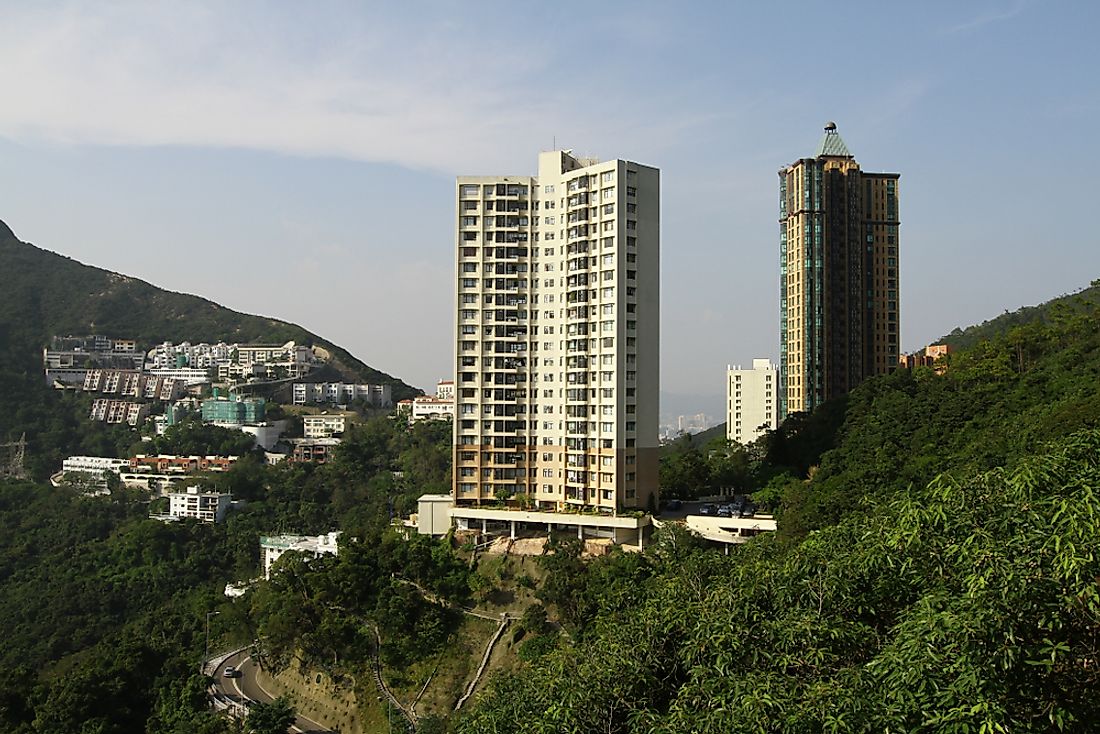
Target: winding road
point(247, 688)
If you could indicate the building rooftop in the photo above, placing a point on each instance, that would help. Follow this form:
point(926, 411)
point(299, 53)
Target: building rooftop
point(832, 144)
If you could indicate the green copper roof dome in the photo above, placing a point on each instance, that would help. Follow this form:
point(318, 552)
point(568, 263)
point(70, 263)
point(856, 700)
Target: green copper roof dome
point(832, 144)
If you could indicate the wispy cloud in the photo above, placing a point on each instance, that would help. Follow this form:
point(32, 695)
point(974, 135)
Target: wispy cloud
point(991, 16)
point(418, 92)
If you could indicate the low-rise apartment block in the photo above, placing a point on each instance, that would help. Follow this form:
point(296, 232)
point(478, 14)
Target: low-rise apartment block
point(233, 411)
point(93, 473)
point(931, 356)
point(133, 384)
point(194, 503)
point(427, 408)
point(231, 371)
point(169, 464)
point(189, 376)
point(234, 361)
point(203, 356)
point(273, 547)
point(119, 411)
point(342, 393)
point(93, 464)
point(314, 450)
point(325, 425)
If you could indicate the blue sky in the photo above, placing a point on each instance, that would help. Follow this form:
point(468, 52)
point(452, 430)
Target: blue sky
point(297, 159)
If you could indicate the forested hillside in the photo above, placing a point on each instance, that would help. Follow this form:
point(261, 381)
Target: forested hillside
point(104, 609)
point(1051, 310)
point(934, 570)
point(1001, 400)
point(967, 605)
point(43, 294)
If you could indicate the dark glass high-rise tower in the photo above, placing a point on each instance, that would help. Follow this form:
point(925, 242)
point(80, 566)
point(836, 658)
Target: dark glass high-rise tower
point(838, 260)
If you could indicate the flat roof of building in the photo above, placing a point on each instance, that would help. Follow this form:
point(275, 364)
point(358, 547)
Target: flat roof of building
point(550, 518)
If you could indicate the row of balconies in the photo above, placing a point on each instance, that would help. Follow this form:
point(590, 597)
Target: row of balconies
point(494, 426)
point(506, 206)
point(498, 191)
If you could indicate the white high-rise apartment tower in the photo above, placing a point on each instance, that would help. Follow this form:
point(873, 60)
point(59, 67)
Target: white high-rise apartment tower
point(752, 401)
point(557, 335)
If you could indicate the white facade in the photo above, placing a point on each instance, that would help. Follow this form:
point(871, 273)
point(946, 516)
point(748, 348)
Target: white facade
point(445, 390)
point(557, 334)
point(273, 547)
point(752, 401)
point(232, 371)
point(433, 514)
point(425, 407)
point(265, 435)
point(324, 425)
point(342, 393)
point(187, 375)
point(202, 356)
point(94, 464)
point(92, 472)
point(204, 506)
point(730, 530)
point(118, 411)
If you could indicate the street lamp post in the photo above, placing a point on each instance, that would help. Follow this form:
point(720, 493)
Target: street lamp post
point(206, 656)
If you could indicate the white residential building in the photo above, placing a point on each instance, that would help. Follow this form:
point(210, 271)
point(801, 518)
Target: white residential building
point(273, 547)
point(187, 375)
point(557, 335)
point(202, 356)
point(118, 411)
point(93, 464)
point(205, 506)
point(427, 408)
point(92, 471)
point(342, 393)
point(325, 424)
point(752, 401)
point(233, 371)
point(445, 390)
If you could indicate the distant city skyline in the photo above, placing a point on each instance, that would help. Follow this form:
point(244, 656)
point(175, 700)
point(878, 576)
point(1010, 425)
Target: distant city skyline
point(315, 150)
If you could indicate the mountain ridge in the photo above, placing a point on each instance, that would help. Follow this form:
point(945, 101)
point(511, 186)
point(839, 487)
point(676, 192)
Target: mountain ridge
point(40, 287)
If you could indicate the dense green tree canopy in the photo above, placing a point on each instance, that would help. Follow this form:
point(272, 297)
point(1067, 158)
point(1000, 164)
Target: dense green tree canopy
point(967, 605)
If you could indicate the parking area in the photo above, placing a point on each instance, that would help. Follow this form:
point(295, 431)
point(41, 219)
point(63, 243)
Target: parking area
point(735, 506)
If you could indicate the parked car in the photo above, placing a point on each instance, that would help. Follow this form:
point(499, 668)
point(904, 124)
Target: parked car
point(231, 672)
point(725, 511)
point(748, 511)
point(708, 509)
